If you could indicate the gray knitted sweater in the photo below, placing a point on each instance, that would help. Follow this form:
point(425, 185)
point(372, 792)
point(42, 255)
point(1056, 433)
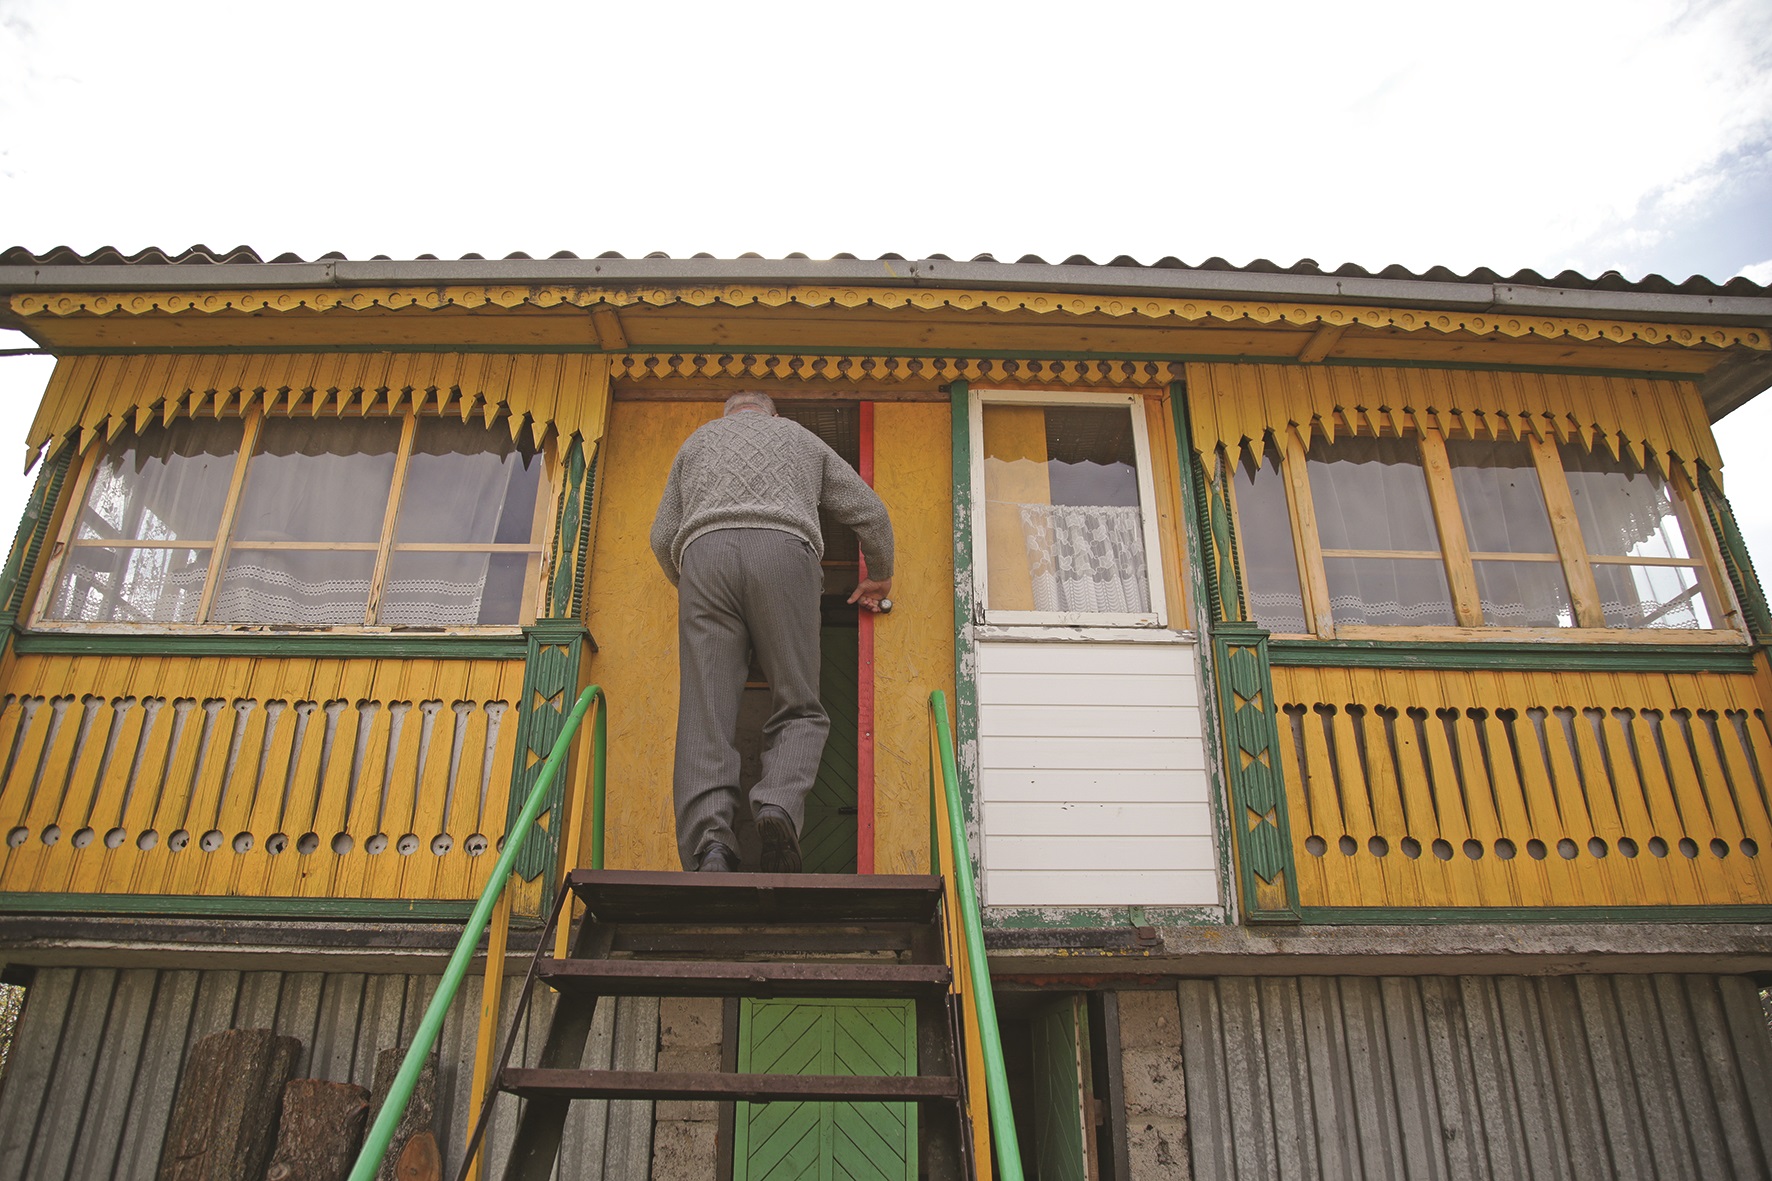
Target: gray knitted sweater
point(755, 471)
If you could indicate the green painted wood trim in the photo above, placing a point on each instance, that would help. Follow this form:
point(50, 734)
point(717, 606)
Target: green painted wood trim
point(1409, 916)
point(793, 350)
point(33, 528)
point(564, 561)
point(1258, 788)
point(1204, 614)
point(1749, 591)
point(582, 552)
point(965, 611)
point(1515, 656)
point(385, 647)
point(1100, 918)
point(222, 906)
point(550, 680)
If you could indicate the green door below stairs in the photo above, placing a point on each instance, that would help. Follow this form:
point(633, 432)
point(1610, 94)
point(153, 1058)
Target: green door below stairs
point(826, 1141)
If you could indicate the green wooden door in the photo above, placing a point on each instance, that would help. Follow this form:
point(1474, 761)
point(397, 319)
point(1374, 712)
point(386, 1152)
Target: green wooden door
point(826, 1141)
point(1061, 1074)
point(827, 844)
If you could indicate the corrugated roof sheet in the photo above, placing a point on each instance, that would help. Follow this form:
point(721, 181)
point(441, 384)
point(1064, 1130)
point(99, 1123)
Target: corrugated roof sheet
point(1572, 280)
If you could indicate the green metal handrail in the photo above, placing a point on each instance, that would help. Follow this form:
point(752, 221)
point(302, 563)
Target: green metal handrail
point(381, 1134)
point(996, 1077)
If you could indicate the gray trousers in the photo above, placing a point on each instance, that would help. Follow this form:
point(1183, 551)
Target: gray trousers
point(741, 590)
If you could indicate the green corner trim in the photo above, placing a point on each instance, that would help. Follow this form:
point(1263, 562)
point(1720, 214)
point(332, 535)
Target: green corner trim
point(1205, 613)
point(550, 682)
point(1749, 592)
point(227, 905)
point(33, 528)
point(386, 647)
point(1258, 788)
point(965, 649)
point(570, 511)
point(1409, 916)
point(1516, 656)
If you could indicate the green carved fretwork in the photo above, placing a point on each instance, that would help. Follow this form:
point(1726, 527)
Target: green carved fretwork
point(1265, 871)
point(550, 684)
point(1748, 590)
point(1224, 588)
point(27, 543)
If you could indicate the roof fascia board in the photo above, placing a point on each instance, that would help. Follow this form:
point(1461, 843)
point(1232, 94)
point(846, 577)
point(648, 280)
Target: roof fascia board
point(937, 273)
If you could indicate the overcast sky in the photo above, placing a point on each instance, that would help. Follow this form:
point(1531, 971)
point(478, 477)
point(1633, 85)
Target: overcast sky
point(1628, 136)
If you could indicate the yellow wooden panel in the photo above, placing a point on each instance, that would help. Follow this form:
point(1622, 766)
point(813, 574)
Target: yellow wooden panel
point(1571, 788)
point(913, 646)
point(204, 776)
point(632, 612)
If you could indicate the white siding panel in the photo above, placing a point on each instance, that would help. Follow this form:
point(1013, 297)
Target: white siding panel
point(1090, 853)
point(1092, 721)
point(1063, 751)
point(1011, 784)
point(1016, 887)
point(1077, 659)
point(1104, 820)
point(1092, 775)
point(1104, 689)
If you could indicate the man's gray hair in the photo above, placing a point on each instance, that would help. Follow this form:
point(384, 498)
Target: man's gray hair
point(750, 400)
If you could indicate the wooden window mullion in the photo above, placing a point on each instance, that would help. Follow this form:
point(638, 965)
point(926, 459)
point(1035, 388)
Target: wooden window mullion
point(1306, 540)
point(218, 554)
point(1461, 572)
point(384, 554)
point(1584, 592)
point(1695, 523)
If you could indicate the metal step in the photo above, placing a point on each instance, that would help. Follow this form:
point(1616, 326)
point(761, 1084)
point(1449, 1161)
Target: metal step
point(760, 979)
point(640, 896)
point(755, 1088)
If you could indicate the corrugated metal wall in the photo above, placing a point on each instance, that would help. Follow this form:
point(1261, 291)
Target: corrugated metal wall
point(96, 1059)
point(1477, 1077)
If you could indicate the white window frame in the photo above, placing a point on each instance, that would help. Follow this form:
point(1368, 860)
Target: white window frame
point(1147, 505)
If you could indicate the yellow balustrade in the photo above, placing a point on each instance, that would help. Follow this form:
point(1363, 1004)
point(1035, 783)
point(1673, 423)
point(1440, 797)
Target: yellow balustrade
point(283, 778)
point(1419, 788)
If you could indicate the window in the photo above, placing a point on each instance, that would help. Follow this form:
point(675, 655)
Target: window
point(1388, 531)
point(1062, 488)
point(411, 521)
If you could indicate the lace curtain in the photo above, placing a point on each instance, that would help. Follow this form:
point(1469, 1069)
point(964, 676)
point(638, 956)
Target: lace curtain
point(1086, 557)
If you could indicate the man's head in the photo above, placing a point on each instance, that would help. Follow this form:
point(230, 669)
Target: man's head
point(750, 400)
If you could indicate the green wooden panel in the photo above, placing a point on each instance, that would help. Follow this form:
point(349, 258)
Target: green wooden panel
point(1060, 1047)
point(827, 844)
point(826, 1141)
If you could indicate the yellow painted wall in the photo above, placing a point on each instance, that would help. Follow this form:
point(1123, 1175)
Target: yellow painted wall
point(913, 646)
point(301, 776)
point(632, 614)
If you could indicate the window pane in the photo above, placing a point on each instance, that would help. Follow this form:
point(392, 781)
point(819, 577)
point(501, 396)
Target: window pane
point(167, 484)
point(1270, 566)
point(319, 479)
point(315, 588)
point(123, 585)
point(466, 483)
point(455, 590)
point(1651, 596)
point(1499, 497)
point(1371, 494)
point(1389, 592)
point(1624, 511)
point(1063, 527)
point(1524, 594)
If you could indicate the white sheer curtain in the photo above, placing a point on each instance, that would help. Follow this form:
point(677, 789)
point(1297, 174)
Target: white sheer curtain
point(1086, 557)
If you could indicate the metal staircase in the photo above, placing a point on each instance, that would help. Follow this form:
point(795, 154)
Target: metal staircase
point(754, 936)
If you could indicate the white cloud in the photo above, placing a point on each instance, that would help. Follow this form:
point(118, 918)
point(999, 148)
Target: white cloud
point(1759, 272)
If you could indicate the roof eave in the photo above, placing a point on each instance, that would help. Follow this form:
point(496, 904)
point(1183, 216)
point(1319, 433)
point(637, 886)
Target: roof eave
point(1495, 298)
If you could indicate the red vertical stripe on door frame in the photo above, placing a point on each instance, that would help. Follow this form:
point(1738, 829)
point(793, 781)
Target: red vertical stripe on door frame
point(864, 689)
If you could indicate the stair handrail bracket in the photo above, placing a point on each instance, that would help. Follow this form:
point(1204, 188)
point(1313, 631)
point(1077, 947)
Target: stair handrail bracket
point(381, 1133)
point(945, 778)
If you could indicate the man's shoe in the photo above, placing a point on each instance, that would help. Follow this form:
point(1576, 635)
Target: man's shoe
point(717, 858)
point(781, 844)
